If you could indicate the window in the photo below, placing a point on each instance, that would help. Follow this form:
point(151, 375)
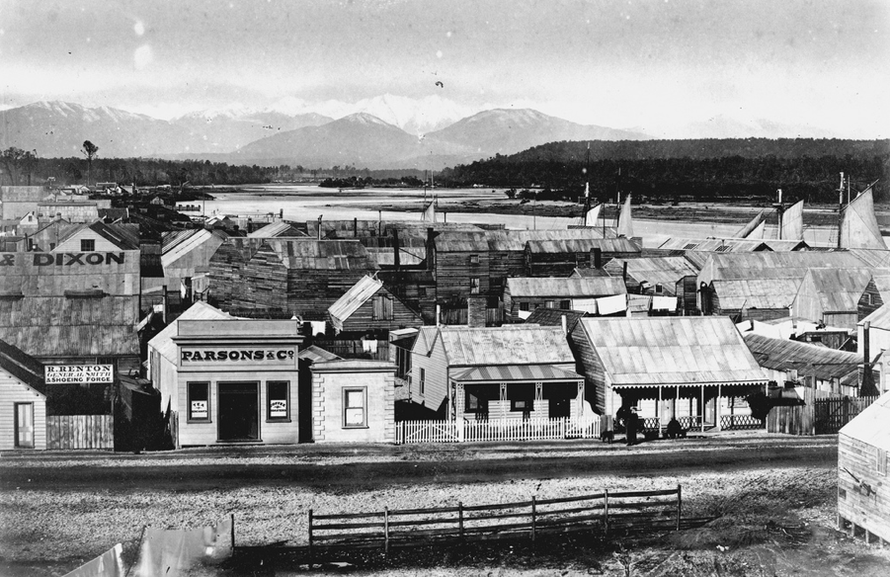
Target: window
point(278, 400)
point(87, 245)
point(474, 285)
point(474, 259)
point(355, 402)
point(659, 289)
point(199, 401)
point(475, 404)
point(381, 308)
point(881, 462)
point(524, 405)
point(565, 305)
point(523, 306)
point(422, 381)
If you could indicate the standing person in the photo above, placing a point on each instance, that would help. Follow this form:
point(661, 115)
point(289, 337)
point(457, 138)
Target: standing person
point(633, 422)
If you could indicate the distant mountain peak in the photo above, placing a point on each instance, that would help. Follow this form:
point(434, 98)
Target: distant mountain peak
point(367, 119)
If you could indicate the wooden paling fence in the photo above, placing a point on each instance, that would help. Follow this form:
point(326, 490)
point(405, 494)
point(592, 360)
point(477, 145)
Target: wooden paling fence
point(817, 416)
point(610, 512)
point(80, 432)
point(494, 429)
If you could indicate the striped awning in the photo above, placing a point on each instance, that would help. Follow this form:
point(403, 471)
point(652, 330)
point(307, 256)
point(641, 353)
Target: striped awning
point(688, 385)
point(514, 373)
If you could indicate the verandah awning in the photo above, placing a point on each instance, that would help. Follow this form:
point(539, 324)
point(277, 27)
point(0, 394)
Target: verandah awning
point(514, 373)
point(688, 385)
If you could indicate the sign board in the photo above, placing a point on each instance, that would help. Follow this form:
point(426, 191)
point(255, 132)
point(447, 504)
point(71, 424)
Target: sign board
point(77, 374)
point(238, 357)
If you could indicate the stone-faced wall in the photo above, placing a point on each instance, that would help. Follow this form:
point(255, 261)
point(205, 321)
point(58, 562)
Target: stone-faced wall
point(339, 387)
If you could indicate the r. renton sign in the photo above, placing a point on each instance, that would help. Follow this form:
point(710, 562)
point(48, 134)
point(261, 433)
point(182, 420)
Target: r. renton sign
point(76, 374)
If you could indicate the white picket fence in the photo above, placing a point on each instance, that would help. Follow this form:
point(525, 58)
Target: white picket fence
point(496, 430)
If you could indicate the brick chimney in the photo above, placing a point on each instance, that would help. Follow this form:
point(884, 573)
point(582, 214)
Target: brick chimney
point(476, 306)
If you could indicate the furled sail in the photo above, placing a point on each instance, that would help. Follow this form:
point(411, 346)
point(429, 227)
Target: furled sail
point(792, 223)
point(591, 216)
point(753, 229)
point(625, 222)
point(859, 227)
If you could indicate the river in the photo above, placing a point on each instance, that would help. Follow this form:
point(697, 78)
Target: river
point(308, 202)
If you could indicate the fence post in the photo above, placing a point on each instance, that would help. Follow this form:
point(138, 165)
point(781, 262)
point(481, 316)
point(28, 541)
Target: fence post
point(386, 530)
point(311, 558)
point(534, 517)
point(679, 505)
point(232, 519)
point(606, 511)
point(460, 519)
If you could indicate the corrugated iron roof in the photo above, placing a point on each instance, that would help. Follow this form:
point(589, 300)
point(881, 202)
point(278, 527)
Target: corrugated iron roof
point(22, 366)
point(767, 293)
point(547, 317)
point(565, 287)
point(807, 359)
point(277, 229)
point(577, 245)
point(872, 257)
point(512, 373)
point(838, 290)
point(872, 425)
point(125, 237)
point(767, 264)
point(461, 242)
point(514, 240)
point(713, 244)
point(357, 295)
point(317, 354)
point(671, 350)
point(507, 345)
point(163, 341)
point(665, 270)
point(879, 318)
point(171, 253)
point(309, 254)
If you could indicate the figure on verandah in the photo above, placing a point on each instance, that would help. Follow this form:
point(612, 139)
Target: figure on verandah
point(632, 426)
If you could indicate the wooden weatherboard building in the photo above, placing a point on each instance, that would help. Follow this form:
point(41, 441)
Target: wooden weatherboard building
point(228, 380)
point(664, 365)
point(22, 400)
point(369, 306)
point(515, 371)
point(863, 493)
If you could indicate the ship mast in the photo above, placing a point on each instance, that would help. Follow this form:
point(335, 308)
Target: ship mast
point(840, 210)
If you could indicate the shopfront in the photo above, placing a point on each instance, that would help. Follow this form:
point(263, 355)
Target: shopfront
point(230, 381)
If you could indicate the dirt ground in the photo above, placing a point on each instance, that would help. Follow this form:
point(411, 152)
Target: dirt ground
point(772, 500)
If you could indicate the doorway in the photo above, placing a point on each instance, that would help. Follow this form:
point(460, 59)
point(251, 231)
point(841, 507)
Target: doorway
point(24, 425)
point(239, 415)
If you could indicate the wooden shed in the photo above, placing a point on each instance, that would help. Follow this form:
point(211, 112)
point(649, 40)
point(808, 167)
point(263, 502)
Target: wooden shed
point(22, 400)
point(834, 296)
point(651, 275)
point(525, 294)
point(369, 306)
point(561, 257)
point(863, 493)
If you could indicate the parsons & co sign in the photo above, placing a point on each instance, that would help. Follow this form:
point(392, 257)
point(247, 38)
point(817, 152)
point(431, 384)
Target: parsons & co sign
point(78, 374)
point(252, 356)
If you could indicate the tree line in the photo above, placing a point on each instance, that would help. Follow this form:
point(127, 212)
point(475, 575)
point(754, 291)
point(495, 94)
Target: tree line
point(709, 170)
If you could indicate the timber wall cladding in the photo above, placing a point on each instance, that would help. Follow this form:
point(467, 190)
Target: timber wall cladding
point(863, 491)
point(80, 432)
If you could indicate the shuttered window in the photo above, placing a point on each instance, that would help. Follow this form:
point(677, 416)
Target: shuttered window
point(381, 308)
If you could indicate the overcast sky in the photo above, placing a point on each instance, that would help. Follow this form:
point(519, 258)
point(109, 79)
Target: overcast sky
point(653, 64)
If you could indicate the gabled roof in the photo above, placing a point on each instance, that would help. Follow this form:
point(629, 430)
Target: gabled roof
point(426, 337)
point(838, 290)
point(317, 355)
point(577, 245)
point(565, 287)
point(357, 295)
point(767, 293)
point(461, 242)
point(872, 425)
point(22, 366)
point(309, 254)
point(277, 229)
point(807, 359)
point(879, 318)
point(671, 350)
point(175, 248)
point(767, 264)
point(125, 237)
point(665, 270)
point(547, 317)
point(507, 345)
point(163, 341)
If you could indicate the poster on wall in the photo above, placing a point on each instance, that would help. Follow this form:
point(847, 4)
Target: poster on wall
point(77, 374)
point(199, 410)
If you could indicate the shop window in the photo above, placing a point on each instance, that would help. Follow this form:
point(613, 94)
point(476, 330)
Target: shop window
point(474, 285)
point(278, 395)
point(381, 308)
point(422, 387)
point(87, 245)
point(199, 401)
point(355, 402)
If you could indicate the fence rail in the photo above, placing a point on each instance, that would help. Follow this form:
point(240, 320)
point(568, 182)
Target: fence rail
point(511, 429)
point(609, 511)
point(80, 432)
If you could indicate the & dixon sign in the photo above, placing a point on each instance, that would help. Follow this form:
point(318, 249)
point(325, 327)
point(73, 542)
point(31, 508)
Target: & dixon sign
point(63, 258)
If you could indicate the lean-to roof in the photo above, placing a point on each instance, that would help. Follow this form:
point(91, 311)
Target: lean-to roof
point(807, 359)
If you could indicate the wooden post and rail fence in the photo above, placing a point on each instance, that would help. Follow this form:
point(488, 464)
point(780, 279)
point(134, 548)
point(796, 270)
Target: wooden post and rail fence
point(610, 511)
